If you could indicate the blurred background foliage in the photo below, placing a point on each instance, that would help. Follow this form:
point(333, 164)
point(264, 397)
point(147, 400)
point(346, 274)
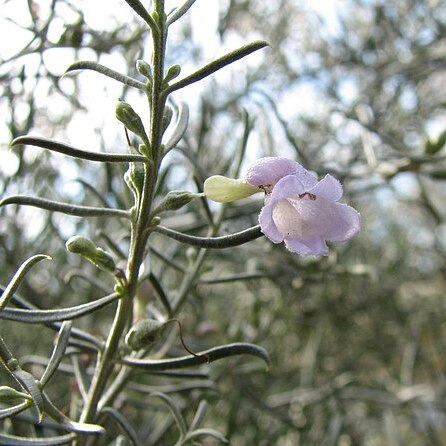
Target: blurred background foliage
point(355, 88)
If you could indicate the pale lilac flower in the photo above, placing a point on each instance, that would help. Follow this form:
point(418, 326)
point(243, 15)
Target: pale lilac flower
point(300, 210)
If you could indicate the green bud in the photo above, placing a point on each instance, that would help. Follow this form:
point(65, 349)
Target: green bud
point(172, 73)
point(87, 249)
point(225, 190)
point(9, 394)
point(176, 199)
point(134, 178)
point(144, 333)
point(144, 68)
point(125, 113)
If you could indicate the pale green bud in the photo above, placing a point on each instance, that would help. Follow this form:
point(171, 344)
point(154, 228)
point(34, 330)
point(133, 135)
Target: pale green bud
point(125, 113)
point(87, 249)
point(144, 68)
point(225, 190)
point(144, 333)
point(176, 199)
point(172, 73)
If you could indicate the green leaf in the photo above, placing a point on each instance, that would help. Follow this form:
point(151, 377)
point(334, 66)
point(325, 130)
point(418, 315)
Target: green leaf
point(12, 440)
point(225, 241)
point(216, 65)
point(213, 354)
point(43, 316)
point(179, 12)
point(32, 386)
point(180, 128)
point(124, 424)
point(10, 411)
point(18, 277)
point(68, 209)
point(8, 394)
point(65, 149)
point(59, 349)
point(139, 8)
point(206, 432)
point(87, 65)
point(174, 409)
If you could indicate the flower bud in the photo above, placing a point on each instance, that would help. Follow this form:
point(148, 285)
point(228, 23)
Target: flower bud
point(125, 113)
point(172, 73)
point(87, 249)
point(176, 199)
point(144, 333)
point(224, 190)
point(134, 178)
point(144, 68)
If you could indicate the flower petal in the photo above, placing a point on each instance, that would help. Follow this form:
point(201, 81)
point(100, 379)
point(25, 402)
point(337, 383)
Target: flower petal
point(268, 226)
point(346, 223)
point(329, 188)
point(287, 187)
point(269, 170)
point(312, 247)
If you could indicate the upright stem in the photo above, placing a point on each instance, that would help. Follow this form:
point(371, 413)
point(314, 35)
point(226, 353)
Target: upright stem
point(138, 240)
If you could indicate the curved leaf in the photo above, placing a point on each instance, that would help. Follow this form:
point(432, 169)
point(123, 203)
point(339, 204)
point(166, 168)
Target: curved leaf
point(32, 386)
point(77, 153)
point(225, 241)
point(58, 352)
point(90, 341)
point(43, 316)
point(82, 428)
point(69, 209)
point(87, 65)
point(14, 283)
point(180, 128)
point(206, 432)
point(12, 440)
point(213, 354)
point(10, 411)
point(123, 424)
point(174, 409)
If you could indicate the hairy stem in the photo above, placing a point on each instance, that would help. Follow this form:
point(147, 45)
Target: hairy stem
point(138, 241)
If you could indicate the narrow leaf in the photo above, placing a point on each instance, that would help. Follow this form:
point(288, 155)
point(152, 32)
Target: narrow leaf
point(18, 277)
point(65, 149)
point(226, 241)
point(31, 385)
point(12, 440)
point(58, 352)
point(216, 65)
point(69, 209)
point(43, 316)
point(206, 432)
point(10, 411)
point(87, 65)
point(174, 409)
point(124, 424)
point(179, 12)
point(200, 414)
point(96, 344)
point(82, 428)
point(139, 8)
point(213, 354)
point(8, 394)
point(180, 128)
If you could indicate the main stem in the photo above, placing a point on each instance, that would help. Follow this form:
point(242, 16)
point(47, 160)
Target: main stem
point(106, 360)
